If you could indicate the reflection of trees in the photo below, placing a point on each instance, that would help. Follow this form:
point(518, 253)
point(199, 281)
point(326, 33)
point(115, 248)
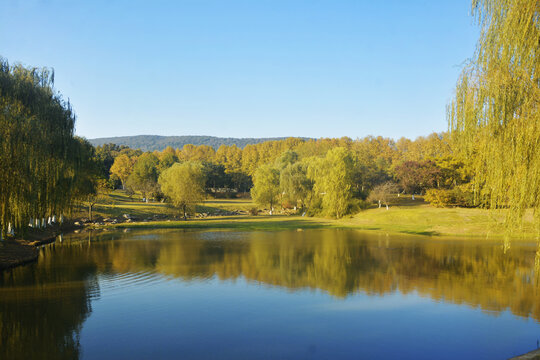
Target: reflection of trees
point(43, 306)
point(345, 262)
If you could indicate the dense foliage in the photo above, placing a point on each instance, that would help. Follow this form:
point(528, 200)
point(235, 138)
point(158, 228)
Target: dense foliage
point(329, 177)
point(495, 116)
point(183, 184)
point(44, 167)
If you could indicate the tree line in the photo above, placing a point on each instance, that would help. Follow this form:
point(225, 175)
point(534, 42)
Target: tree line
point(329, 177)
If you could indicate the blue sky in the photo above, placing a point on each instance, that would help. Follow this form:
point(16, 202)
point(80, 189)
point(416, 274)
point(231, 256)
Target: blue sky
point(247, 68)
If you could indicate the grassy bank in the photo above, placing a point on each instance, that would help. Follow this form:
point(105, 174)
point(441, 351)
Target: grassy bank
point(404, 216)
point(118, 203)
point(421, 221)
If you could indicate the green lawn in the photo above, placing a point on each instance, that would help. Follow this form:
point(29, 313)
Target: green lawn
point(427, 220)
point(404, 216)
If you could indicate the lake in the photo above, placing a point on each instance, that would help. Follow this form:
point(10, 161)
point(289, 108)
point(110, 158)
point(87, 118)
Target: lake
point(314, 294)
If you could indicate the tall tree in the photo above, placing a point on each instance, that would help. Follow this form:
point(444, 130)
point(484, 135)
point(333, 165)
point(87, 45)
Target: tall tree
point(145, 174)
point(265, 189)
point(334, 178)
point(495, 116)
point(39, 155)
point(295, 184)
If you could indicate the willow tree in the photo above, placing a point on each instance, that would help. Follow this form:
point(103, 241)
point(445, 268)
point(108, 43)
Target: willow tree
point(495, 118)
point(333, 178)
point(39, 156)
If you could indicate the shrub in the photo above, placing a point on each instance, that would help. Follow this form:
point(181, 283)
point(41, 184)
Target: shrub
point(357, 205)
point(458, 196)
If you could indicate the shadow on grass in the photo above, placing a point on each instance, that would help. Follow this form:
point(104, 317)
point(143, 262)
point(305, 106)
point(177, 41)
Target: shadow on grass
point(426, 233)
point(229, 202)
point(261, 223)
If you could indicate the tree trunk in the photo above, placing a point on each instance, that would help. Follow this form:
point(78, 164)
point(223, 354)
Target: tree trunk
point(185, 214)
point(90, 211)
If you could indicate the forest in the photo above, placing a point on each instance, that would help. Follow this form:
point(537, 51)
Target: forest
point(330, 177)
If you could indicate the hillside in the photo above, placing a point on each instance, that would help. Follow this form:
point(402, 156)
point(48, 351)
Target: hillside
point(157, 142)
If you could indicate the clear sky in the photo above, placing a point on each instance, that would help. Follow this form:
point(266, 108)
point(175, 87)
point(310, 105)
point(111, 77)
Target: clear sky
point(247, 68)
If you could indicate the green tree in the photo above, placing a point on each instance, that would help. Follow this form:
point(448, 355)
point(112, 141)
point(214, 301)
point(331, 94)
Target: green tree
point(89, 185)
point(495, 117)
point(216, 178)
point(295, 184)
point(287, 158)
point(265, 189)
point(39, 154)
point(184, 185)
point(145, 174)
point(333, 178)
point(166, 161)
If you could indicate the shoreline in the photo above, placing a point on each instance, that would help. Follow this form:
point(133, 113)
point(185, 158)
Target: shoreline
point(17, 252)
point(14, 253)
point(294, 222)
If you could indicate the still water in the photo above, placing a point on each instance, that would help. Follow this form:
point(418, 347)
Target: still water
point(320, 294)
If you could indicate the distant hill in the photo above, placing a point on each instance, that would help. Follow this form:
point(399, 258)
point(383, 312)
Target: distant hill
point(157, 142)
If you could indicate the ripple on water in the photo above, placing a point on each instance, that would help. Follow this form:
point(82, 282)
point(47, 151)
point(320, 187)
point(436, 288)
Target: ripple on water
point(119, 284)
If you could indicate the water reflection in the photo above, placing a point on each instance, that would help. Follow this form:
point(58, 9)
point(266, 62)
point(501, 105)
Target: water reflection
point(43, 306)
point(337, 262)
point(46, 304)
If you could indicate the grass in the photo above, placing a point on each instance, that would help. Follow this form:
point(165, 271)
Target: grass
point(118, 203)
point(417, 217)
point(404, 216)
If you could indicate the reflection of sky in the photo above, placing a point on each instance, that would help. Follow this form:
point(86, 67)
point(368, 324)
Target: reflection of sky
point(168, 318)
